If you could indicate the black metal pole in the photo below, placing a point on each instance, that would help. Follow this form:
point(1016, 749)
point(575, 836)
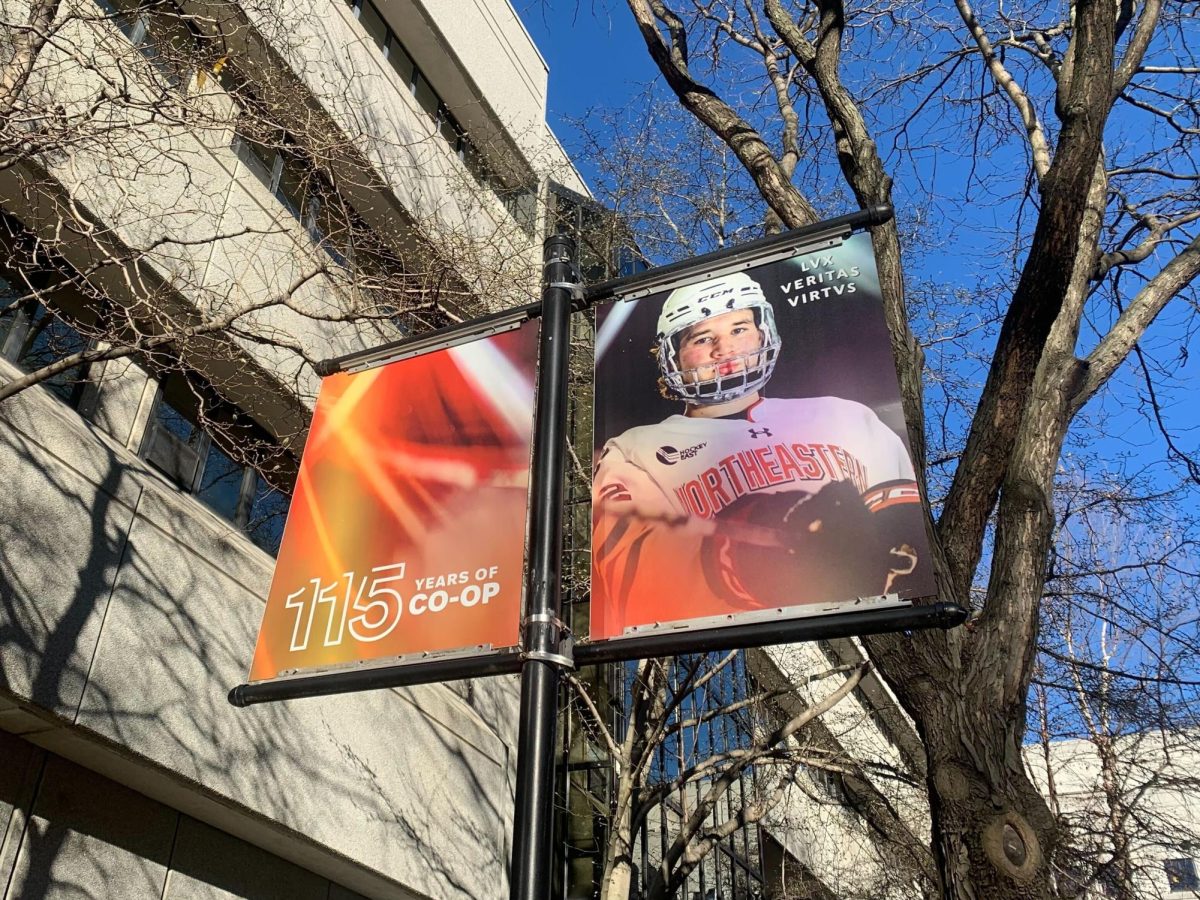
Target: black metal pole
point(533, 851)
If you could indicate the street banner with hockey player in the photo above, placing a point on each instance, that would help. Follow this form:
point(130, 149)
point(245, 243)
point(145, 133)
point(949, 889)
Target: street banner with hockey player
point(754, 464)
point(406, 531)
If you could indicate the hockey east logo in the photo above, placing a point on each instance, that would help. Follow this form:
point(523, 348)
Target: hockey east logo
point(668, 456)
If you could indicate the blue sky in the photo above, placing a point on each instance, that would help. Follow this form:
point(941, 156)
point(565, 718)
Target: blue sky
point(968, 200)
point(597, 59)
point(595, 54)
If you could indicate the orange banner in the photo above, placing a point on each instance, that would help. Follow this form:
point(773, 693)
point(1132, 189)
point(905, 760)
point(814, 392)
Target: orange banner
point(407, 527)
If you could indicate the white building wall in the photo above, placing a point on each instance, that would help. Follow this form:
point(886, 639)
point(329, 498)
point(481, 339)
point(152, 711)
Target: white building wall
point(128, 609)
point(1157, 777)
point(813, 823)
point(179, 182)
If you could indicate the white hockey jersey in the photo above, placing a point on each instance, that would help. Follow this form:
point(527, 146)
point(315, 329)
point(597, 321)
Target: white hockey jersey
point(696, 467)
point(653, 480)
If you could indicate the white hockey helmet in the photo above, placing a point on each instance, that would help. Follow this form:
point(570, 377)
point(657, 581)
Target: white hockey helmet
point(690, 305)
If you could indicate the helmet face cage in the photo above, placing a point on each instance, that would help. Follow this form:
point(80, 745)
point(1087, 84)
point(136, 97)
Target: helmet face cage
point(687, 307)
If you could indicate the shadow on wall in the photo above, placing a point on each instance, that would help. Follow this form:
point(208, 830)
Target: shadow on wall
point(124, 611)
point(91, 837)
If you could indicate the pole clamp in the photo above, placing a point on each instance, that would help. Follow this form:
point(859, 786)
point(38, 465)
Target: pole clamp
point(566, 659)
point(557, 659)
point(574, 288)
point(547, 617)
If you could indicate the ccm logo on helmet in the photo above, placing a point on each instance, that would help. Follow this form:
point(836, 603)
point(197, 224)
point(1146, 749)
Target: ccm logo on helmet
point(668, 455)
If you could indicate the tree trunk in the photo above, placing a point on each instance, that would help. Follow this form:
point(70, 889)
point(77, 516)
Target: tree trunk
point(993, 834)
point(618, 875)
point(27, 44)
point(618, 858)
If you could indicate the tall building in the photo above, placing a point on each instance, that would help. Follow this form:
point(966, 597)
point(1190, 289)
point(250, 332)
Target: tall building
point(233, 190)
point(1131, 805)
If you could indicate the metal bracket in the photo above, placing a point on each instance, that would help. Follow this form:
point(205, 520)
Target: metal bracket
point(574, 288)
point(557, 659)
point(735, 263)
point(547, 617)
point(566, 659)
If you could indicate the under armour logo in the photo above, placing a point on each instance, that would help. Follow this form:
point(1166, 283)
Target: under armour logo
point(758, 432)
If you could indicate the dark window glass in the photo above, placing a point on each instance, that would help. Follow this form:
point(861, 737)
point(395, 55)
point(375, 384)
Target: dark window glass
point(304, 195)
point(290, 189)
point(566, 214)
point(400, 61)
point(268, 512)
point(426, 98)
point(258, 158)
point(9, 309)
point(630, 262)
point(127, 15)
point(174, 444)
point(178, 445)
point(160, 32)
point(327, 225)
point(594, 240)
point(176, 423)
point(221, 483)
point(175, 411)
point(39, 338)
point(474, 160)
point(171, 45)
point(449, 128)
point(1181, 874)
point(342, 255)
point(521, 204)
point(232, 79)
point(372, 23)
point(313, 219)
point(136, 26)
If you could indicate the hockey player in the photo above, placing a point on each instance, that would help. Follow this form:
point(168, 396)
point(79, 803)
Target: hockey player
point(742, 501)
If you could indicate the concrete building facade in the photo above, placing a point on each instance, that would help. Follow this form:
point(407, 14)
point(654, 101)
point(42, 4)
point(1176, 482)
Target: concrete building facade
point(1132, 807)
point(135, 546)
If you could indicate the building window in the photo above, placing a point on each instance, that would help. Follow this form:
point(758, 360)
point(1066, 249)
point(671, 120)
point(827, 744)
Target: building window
point(521, 204)
point(160, 32)
point(418, 85)
point(427, 97)
point(263, 161)
point(33, 337)
point(1181, 874)
point(373, 24)
point(187, 440)
point(401, 61)
point(277, 162)
point(606, 246)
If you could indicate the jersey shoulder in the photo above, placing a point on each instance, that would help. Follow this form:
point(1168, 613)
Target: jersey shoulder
point(818, 412)
point(644, 435)
point(838, 406)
